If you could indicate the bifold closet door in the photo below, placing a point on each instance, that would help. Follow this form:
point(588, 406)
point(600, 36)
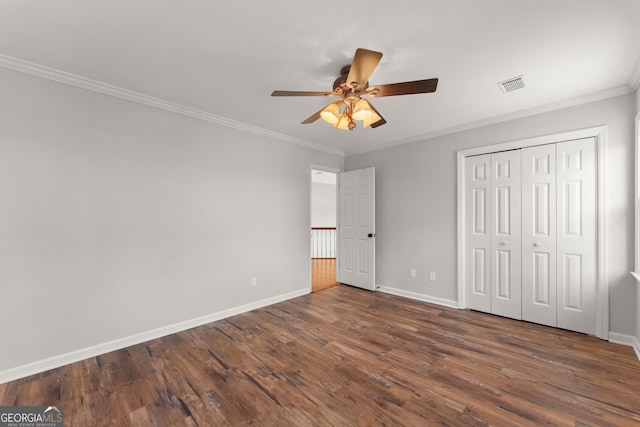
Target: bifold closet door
point(493, 241)
point(506, 250)
point(478, 232)
point(531, 234)
point(576, 242)
point(539, 234)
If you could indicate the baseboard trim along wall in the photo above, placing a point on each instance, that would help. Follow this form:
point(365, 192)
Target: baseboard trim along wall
point(629, 340)
point(85, 353)
point(417, 296)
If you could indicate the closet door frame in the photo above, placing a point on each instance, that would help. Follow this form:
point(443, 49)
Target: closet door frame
point(600, 134)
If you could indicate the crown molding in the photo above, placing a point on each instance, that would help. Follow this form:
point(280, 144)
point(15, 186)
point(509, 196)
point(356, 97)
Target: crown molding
point(624, 90)
point(59, 76)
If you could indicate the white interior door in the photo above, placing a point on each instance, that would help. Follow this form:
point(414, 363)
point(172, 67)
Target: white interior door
point(506, 288)
point(356, 228)
point(576, 243)
point(539, 234)
point(478, 232)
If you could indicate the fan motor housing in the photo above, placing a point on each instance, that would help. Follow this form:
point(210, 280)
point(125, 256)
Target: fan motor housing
point(341, 82)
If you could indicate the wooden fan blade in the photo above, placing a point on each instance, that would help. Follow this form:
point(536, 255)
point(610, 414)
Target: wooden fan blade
point(379, 122)
point(404, 88)
point(301, 93)
point(313, 118)
point(364, 62)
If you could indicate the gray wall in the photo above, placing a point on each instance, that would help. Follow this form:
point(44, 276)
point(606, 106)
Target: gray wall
point(416, 201)
point(117, 218)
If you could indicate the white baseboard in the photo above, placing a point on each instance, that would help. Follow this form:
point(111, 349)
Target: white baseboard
point(417, 296)
point(629, 340)
point(96, 350)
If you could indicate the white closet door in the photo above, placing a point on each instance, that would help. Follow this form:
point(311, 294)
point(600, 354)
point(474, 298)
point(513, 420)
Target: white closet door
point(576, 242)
point(539, 234)
point(506, 288)
point(478, 232)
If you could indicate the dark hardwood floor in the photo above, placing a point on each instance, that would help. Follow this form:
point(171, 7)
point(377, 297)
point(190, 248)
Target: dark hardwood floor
point(343, 357)
point(323, 273)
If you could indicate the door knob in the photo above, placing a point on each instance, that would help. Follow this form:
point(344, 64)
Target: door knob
point(503, 243)
point(536, 244)
point(370, 235)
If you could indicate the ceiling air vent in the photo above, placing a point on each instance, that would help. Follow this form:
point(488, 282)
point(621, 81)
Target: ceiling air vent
point(512, 84)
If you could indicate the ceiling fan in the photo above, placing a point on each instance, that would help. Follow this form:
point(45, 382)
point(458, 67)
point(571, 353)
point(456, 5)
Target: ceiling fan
point(351, 86)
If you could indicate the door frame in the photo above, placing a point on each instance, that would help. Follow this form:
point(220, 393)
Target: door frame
point(600, 134)
point(323, 168)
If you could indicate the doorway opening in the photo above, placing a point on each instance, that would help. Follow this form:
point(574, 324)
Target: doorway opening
point(323, 229)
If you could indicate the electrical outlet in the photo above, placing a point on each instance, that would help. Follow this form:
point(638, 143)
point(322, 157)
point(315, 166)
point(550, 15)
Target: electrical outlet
point(412, 272)
point(254, 281)
point(432, 276)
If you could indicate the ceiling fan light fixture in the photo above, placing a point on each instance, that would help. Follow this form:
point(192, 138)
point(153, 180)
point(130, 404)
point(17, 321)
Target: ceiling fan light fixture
point(362, 110)
point(343, 122)
point(331, 114)
point(374, 117)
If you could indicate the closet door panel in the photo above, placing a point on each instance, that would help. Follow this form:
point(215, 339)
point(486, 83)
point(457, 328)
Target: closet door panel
point(505, 234)
point(576, 243)
point(539, 234)
point(478, 237)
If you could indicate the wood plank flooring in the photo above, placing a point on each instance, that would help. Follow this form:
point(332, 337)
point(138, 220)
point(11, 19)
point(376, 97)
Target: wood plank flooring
point(323, 273)
point(344, 357)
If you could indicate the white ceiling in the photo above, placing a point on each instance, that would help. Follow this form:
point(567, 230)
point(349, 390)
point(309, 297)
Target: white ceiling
point(221, 60)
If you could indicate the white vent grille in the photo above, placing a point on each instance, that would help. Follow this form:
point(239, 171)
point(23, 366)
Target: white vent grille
point(512, 84)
